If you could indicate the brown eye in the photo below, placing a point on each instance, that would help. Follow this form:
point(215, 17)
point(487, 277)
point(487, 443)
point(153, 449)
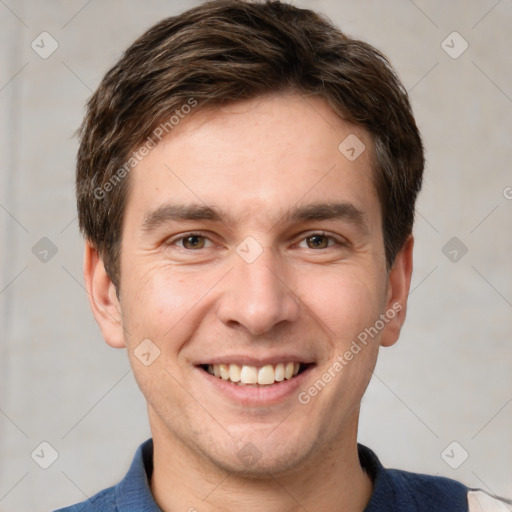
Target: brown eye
point(318, 241)
point(193, 242)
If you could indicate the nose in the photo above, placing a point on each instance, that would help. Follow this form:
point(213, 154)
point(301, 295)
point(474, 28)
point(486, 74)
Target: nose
point(258, 296)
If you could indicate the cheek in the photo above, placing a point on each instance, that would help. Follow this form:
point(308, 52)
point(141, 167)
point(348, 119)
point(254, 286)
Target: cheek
point(158, 300)
point(347, 300)
point(160, 306)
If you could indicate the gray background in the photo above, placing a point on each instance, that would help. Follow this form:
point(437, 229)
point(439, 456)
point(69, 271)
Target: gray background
point(448, 379)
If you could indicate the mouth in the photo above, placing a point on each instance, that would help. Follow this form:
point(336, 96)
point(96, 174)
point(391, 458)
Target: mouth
point(256, 376)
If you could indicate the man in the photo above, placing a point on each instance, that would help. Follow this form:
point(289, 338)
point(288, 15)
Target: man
point(246, 183)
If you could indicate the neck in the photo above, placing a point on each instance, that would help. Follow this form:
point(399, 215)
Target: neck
point(183, 480)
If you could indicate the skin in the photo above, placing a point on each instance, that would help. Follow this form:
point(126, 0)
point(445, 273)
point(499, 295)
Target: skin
point(198, 299)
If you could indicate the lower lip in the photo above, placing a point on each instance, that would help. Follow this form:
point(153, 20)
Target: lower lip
point(258, 395)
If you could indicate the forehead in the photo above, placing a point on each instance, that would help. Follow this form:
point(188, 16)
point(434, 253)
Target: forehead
point(261, 156)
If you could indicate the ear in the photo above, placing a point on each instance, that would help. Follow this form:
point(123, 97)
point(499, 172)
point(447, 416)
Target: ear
point(102, 298)
point(398, 290)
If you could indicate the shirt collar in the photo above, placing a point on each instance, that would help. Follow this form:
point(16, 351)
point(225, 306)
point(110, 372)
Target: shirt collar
point(382, 494)
point(133, 492)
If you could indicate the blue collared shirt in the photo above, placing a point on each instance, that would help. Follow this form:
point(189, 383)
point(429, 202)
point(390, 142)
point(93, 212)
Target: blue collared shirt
point(393, 491)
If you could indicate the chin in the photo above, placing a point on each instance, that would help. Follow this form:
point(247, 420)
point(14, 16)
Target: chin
point(260, 458)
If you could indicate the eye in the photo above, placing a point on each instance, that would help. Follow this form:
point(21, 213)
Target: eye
point(320, 241)
point(191, 241)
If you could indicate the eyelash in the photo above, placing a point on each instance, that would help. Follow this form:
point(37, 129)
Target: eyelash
point(337, 241)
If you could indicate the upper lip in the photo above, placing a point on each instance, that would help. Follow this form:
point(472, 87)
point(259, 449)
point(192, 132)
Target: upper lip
point(251, 360)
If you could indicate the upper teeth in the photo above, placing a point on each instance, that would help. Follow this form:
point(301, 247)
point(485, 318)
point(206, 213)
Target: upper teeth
point(267, 374)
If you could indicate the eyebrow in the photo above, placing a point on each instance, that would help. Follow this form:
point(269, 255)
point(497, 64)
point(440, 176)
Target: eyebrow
point(173, 212)
point(311, 212)
point(328, 211)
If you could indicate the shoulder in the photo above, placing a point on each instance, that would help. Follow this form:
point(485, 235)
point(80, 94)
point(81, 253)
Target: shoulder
point(436, 492)
point(404, 491)
point(131, 493)
point(439, 493)
point(104, 501)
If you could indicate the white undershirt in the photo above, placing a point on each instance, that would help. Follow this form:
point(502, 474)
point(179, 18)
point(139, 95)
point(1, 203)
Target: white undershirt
point(480, 501)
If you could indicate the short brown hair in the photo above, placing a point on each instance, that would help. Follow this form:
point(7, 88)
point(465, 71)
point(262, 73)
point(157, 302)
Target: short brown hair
point(227, 51)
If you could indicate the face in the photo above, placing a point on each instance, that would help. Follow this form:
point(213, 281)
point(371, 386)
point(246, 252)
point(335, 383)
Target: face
point(253, 261)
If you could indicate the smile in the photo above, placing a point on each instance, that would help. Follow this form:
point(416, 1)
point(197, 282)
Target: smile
point(245, 375)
